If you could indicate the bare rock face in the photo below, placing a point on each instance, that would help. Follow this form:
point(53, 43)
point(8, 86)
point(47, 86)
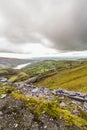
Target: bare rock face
point(13, 115)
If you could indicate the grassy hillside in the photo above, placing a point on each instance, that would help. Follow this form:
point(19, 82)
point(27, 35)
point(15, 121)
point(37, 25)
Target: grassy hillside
point(21, 76)
point(7, 72)
point(44, 69)
point(71, 79)
point(51, 65)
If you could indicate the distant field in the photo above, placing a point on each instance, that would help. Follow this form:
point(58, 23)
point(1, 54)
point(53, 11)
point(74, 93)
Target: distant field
point(74, 79)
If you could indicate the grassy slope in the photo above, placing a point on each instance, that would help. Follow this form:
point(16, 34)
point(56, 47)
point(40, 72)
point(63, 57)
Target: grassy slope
point(3, 72)
point(53, 65)
point(41, 69)
point(7, 72)
point(44, 69)
point(18, 77)
point(71, 79)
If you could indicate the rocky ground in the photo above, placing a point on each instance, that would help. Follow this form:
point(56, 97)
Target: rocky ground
point(15, 115)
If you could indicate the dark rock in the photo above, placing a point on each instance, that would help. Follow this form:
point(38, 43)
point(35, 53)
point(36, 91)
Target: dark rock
point(15, 116)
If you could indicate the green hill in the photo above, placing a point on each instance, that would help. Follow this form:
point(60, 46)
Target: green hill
point(51, 65)
point(21, 76)
point(72, 79)
point(7, 72)
point(66, 74)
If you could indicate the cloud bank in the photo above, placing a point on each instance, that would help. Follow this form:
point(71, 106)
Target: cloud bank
point(60, 24)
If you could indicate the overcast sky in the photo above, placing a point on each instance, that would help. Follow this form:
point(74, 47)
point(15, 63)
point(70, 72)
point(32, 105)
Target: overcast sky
point(43, 27)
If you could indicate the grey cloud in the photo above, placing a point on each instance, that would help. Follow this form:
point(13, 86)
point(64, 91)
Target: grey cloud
point(61, 22)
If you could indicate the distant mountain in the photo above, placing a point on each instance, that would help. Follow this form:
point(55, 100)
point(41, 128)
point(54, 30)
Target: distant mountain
point(12, 62)
point(15, 62)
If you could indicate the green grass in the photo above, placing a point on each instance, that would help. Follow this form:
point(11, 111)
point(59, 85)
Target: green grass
point(18, 77)
point(3, 72)
point(7, 89)
point(71, 79)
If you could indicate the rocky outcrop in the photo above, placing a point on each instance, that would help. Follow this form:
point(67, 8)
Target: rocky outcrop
point(71, 94)
point(15, 116)
point(31, 90)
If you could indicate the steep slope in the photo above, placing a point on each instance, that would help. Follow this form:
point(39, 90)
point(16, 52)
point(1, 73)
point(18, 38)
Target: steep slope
point(71, 79)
